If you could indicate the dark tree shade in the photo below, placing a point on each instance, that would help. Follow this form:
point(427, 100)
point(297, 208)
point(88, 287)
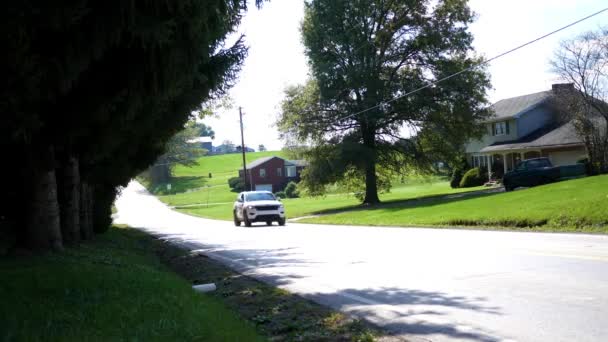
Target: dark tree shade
point(103, 86)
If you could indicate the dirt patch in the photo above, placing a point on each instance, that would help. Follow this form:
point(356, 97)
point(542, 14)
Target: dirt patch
point(277, 314)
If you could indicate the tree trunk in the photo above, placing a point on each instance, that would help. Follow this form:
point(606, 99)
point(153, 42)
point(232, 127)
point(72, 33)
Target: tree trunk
point(102, 208)
point(43, 221)
point(86, 211)
point(371, 186)
point(70, 201)
point(160, 174)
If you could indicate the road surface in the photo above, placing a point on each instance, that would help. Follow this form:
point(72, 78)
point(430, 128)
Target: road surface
point(425, 284)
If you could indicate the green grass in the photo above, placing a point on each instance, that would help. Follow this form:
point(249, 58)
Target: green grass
point(222, 167)
point(215, 199)
point(575, 205)
point(113, 288)
point(305, 206)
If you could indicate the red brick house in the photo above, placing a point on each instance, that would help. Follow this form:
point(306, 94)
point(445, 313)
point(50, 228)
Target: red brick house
point(273, 173)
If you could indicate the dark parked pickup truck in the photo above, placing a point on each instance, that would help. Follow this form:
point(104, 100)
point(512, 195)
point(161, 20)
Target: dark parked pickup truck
point(538, 171)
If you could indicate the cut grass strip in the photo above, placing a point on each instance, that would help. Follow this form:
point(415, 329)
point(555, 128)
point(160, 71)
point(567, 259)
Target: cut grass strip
point(113, 288)
point(278, 314)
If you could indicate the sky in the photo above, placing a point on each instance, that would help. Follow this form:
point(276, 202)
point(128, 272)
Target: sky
point(276, 56)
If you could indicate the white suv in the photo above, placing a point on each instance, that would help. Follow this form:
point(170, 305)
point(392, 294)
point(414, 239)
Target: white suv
point(258, 206)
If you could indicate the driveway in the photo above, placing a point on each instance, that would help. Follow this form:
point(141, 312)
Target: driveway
point(425, 284)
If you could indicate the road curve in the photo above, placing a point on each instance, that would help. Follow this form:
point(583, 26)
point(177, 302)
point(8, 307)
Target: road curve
point(425, 284)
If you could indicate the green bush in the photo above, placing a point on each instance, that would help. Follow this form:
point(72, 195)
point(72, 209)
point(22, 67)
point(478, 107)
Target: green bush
point(281, 194)
point(456, 178)
point(236, 184)
point(291, 190)
point(473, 177)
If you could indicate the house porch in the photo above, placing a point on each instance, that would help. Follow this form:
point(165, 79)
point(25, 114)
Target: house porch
point(499, 162)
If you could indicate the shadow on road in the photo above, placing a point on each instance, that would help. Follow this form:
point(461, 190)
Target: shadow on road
point(399, 310)
point(413, 312)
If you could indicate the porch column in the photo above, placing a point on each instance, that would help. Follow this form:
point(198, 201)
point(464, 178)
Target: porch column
point(489, 164)
point(521, 156)
point(504, 162)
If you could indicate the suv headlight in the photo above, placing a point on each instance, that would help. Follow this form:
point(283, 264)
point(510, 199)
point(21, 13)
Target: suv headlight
point(250, 207)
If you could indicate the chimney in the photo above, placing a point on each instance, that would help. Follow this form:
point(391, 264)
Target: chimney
point(562, 87)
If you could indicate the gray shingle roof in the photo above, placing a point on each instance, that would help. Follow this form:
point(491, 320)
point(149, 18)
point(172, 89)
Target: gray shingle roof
point(259, 162)
point(564, 135)
point(516, 106)
point(299, 162)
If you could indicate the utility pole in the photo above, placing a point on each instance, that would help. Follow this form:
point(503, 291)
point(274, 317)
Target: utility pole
point(243, 151)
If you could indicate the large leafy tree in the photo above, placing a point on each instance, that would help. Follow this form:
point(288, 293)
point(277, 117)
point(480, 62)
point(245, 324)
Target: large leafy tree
point(91, 93)
point(365, 55)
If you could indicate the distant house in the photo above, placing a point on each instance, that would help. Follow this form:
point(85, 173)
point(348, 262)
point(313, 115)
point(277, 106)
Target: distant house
point(223, 148)
point(247, 149)
point(525, 127)
point(273, 173)
point(205, 142)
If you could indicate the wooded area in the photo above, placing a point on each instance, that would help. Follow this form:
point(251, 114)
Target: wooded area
point(91, 93)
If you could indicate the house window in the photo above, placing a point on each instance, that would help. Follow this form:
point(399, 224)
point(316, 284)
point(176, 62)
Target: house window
point(291, 171)
point(500, 128)
point(262, 173)
point(480, 161)
point(280, 172)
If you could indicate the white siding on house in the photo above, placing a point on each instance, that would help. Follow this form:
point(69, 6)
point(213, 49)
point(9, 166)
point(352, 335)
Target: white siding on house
point(487, 139)
point(561, 158)
point(291, 171)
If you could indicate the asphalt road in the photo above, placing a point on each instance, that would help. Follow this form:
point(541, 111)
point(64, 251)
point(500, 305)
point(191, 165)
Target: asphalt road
point(426, 284)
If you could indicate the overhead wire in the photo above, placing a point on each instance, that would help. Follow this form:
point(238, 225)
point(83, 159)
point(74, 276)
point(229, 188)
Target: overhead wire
point(430, 84)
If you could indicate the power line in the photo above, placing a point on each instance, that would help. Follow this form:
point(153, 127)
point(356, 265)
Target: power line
point(430, 84)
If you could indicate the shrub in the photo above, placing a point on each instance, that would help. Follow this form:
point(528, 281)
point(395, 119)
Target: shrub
point(291, 190)
point(473, 177)
point(236, 184)
point(281, 194)
point(588, 166)
point(456, 178)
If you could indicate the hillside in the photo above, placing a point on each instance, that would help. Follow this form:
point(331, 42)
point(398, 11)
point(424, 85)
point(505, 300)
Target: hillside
point(220, 167)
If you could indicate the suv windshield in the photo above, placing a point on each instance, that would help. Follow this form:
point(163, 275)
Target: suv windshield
point(259, 196)
point(538, 163)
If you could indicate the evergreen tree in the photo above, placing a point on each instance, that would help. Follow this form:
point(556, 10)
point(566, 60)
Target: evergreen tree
point(91, 93)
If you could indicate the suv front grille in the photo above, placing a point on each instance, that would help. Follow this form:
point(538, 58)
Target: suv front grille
point(267, 207)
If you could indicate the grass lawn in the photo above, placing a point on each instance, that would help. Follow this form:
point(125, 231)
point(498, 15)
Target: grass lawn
point(575, 205)
point(114, 288)
point(221, 167)
point(215, 199)
point(304, 206)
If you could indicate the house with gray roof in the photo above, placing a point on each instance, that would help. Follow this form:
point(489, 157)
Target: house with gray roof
point(273, 173)
point(525, 127)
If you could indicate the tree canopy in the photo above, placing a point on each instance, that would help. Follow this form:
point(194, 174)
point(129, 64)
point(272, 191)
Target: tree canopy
point(91, 93)
point(364, 56)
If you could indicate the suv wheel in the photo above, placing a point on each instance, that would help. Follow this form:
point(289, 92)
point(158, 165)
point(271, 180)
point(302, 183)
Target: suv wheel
point(246, 219)
point(236, 220)
point(281, 221)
